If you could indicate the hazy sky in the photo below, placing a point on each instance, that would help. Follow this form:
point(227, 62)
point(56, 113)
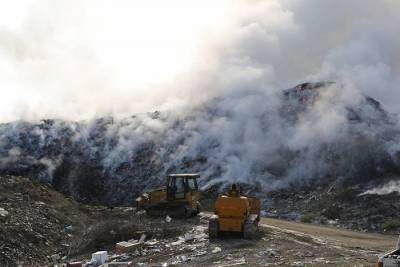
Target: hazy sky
point(79, 59)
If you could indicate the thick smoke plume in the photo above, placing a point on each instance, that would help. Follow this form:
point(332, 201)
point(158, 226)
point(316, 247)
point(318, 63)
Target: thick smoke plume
point(311, 135)
point(93, 58)
point(388, 188)
point(217, 72)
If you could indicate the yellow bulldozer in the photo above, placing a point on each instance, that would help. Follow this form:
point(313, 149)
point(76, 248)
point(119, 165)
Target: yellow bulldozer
point(235, 212)
point(179, 198)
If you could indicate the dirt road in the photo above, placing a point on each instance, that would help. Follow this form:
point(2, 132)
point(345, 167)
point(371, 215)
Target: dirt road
point(286, 243)
point(344, 238)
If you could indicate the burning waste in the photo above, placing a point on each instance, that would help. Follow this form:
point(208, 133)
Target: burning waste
point(311, 134)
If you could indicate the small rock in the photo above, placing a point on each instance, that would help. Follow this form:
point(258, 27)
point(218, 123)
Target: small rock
point(200, 253)
point(40, 203)
point(151, 242)
point(272, 253)
point(55, 258)
point(188, 237)
point(216, 250)
point(68, 228)
point(308, 254)
point(3, 212)
point(183, 258)
point(140, 212)
point(177, 243)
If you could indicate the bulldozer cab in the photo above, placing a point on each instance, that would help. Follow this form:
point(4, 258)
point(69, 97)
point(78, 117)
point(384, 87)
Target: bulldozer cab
point(180, 198)
point(178, 185)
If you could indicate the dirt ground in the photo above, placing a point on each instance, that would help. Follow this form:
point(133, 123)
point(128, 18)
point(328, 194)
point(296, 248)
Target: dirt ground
point(280, 243)
point(350, 239)
point(41, 224)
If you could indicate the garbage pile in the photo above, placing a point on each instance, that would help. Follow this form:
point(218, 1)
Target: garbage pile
point(31, 230)
point(184, 248)
point(40, 226)
point(111, 161)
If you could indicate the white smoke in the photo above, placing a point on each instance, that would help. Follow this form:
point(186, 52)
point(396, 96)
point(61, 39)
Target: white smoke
point(388, 188)
point(92, 58)
point(215, 68)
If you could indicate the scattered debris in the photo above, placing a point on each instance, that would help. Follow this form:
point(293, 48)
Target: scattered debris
point(390, 258)
point(68, 228)
point(199, 253)
point(126, 247)
point(177, 243)
point(272, 253)
point(120, 264)
point(182, 258)
point(55, 258)
point(240, 261)
point(297, 264)
point(142, 238)
point(140, 213)
point(74, 264)
point(99, 257)
point(188, 237)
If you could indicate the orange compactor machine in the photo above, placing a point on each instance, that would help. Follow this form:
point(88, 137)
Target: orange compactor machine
point(235, 212)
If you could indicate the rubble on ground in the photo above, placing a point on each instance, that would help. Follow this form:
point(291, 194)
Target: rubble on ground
point(40, 226)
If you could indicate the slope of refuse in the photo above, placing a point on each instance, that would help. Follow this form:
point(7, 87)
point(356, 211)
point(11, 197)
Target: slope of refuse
point(41, 227)
point(304, 135)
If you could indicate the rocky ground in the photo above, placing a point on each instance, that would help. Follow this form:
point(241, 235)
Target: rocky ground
point(41, 227)
point(38, 223)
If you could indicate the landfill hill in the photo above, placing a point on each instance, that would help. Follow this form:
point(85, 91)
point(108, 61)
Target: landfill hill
point(111, 161)
point(41, 227)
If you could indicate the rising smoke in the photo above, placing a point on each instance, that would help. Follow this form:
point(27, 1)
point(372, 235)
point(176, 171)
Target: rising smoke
point(388, 188)
point(79, 60)
point(216, 71)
